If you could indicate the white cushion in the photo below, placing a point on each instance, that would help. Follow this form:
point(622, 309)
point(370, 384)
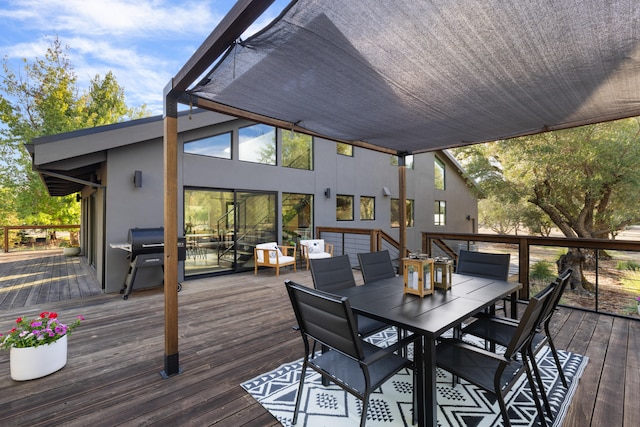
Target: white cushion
point(272, 254)
point(319, 255)
point(313, 246)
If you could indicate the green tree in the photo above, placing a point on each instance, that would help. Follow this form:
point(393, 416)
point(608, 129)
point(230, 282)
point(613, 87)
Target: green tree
point(581, 179)
point(43, 99)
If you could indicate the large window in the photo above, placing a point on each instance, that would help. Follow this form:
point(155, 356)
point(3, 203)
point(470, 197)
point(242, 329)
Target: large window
point(440, 211)
point(257, 144)
point(344, 208)
point(297, 217)
point(395, 213)
point(345, 149)
point(213, 146)
point(438, 173)
point(297, 150)
point(367, 208)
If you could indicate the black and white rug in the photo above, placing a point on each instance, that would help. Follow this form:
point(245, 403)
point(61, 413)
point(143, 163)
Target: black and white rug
point(462, 405)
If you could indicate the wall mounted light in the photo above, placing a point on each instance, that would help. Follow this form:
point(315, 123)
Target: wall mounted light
point(327, 193)
point(137, 179)
point(386, 192)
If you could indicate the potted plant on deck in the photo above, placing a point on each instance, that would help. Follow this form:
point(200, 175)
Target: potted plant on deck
point(38, 346)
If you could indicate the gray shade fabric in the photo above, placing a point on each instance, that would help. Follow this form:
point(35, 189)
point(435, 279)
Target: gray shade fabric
point(414, 76)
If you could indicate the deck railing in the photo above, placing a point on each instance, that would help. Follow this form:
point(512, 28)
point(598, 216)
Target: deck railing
point(612, 269)
point(23, 237)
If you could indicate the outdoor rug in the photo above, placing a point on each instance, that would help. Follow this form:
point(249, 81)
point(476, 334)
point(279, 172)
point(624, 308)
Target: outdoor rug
point(462, 405)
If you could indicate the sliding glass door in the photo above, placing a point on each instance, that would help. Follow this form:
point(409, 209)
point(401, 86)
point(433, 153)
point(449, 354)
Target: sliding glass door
point(223, 226)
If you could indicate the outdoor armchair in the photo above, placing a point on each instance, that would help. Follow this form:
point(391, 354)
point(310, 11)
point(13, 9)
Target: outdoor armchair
point(497, 373)
point(315, 249)
point(500, 330)
point(353, 364)
point(487, 265)
point(376, 266)
point(273, 255)
point(332, 274)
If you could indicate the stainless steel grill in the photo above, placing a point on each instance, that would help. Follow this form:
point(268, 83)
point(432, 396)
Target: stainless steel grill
point(146, 249)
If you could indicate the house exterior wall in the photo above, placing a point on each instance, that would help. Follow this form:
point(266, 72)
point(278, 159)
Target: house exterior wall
point(121, 206)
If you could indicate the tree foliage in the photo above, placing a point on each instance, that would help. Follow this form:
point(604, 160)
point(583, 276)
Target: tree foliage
point(43, 99)
point(583, 180)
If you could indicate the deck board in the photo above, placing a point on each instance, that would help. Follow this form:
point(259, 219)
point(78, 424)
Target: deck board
point(231, 329)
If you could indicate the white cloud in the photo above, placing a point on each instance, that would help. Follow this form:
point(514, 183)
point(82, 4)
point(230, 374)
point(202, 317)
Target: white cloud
point(144, 42)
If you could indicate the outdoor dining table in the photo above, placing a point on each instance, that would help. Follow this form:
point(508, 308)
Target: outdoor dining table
point(428, 316)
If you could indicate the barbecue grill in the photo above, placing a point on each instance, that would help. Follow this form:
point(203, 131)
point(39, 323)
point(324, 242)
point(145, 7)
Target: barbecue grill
point(146, 249)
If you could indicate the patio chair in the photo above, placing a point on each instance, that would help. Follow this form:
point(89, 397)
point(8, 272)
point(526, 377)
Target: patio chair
point(273, 255)
point(500, 330)
point(315, 249)
point(497, 373)
point(376, 266)
point(487, 265)
point(332, 274)
point(355, 365)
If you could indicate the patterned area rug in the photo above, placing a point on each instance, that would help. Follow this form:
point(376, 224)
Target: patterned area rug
point(462, 405)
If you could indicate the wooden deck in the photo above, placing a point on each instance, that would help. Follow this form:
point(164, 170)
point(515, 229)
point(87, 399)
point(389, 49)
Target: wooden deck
point(232, 328)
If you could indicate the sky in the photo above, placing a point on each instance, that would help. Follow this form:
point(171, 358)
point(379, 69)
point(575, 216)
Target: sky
point(143, 42)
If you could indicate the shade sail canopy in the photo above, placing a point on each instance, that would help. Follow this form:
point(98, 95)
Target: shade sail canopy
point(413, 76)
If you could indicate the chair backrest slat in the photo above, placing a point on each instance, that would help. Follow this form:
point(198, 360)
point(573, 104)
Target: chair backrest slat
point(376, 266)
point(332, 274)
point(482, 264)
point(326, 318)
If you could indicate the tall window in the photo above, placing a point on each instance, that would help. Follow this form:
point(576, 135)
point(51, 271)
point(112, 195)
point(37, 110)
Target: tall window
point(395, 213)
point(297, 217)
point(257, 144)
point(297, 150)
point(438, 173)
point(408, 161)
point(344, 208)
point(345, 149)
point(213, 146)
point(440, 211)
point(367, 208)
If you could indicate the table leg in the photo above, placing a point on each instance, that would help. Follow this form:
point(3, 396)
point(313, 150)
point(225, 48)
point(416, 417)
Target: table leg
point(425, 392)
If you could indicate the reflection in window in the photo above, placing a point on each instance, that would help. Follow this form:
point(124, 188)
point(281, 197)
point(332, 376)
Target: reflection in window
point(345, 149)
point(440, 211)
point(438, 172)
point(395, 213)
point(344, 208)
point(257, 144)
point(213, 146)
point(297, 150)
point(408, 161)
point(297, 217)
point(367, 208)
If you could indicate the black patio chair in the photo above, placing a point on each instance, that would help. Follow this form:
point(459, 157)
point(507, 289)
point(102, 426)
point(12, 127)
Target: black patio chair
point(487, 265)
point(497, 373)
point(500, 330)
point(376, 266)
point(332, 274)
point(350, 362)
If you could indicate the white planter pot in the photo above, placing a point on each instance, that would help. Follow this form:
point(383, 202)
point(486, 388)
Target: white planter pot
point(638, 308)
point(35, 362)
point(72, 251)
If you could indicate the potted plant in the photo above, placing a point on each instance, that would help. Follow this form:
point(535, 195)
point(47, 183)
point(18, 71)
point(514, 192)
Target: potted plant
point(69, 250)
point(38, 346)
